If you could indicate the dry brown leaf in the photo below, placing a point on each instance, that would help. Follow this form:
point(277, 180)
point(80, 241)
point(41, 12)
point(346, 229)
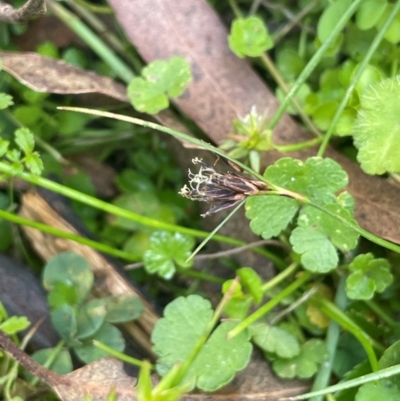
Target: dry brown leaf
point(96, 380)
point(44, 74)
point(225, 87)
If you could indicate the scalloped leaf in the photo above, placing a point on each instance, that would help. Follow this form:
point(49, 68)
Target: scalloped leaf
point(175, 335)
point(249, 37)
point(166, 250)
point(368, 275)
point(376, 129)
point(160, 79)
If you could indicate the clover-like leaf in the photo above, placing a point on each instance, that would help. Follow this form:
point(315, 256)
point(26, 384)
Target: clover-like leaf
point(368, 276)
point(70, 269)
point(160, 79)
point(175, 336)
point(317, 178)
point(376, 129)
point(249, 37)
point(166, 250)
point(276, 340)
point(270, 215)
point(5, 100)
point(107, 334)
point(305, 364)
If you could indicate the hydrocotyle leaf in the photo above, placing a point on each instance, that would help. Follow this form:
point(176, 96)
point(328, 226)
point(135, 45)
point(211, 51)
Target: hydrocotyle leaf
point(166, 249)
point(367, 276)
point(269, 215)
point(175, 335)
point(305, 364)
point(317, 178)
point(376, 129)
point(249, 37)
point(160, 79)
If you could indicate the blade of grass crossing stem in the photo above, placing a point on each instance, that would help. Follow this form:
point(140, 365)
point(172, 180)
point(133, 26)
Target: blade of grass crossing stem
point(198, 249)
point(375, 43)
point(309, 68)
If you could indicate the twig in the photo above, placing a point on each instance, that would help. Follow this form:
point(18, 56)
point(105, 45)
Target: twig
point(32, 366)
point(239, 249)
point(21, 15)
point(220, 254)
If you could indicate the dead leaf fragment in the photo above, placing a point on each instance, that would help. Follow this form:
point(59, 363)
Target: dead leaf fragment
point(44, 74)
point(96, 380)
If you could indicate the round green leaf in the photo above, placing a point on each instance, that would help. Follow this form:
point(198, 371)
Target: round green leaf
point(70, 269)
point(380, 390)
point(123, 308)
point(249, 37)
point(64, 321)
point(330, 18)
point(143, 203)
point(90, 318)
point(109, 335)
point(392, 34)
point(62, 364)
point(369, 13)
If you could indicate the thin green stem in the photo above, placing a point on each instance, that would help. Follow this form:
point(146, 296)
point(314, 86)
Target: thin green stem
point(314, 62)
point(374, 45)
point(213, 232)
point(270, 66)
point(381, 313)
point(170, 131)
point(258, 314)
point(207, 332)
point(98, 46)
point(50, 360)
point(332, 339)
point(200, 275)
point(366, 234)
point(70, 236)
point(283, 275)
point(298, 146)
point(236, 10)
point(94, 8)
point(367, 342)
point(119, 355)
point(343, 385)
point(102, 30)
